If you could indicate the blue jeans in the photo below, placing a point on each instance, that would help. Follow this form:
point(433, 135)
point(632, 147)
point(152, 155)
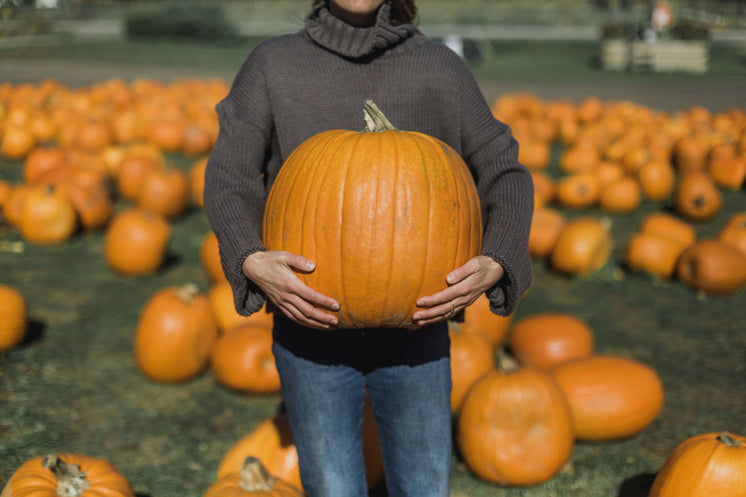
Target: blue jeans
point(411, 405)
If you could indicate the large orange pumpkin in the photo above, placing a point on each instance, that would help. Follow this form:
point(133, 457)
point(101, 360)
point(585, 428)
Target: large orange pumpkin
point(78, 475)
point(610, 397)
point(514, 427)
point(47, 216)
point(706, 465)
point(385, 214)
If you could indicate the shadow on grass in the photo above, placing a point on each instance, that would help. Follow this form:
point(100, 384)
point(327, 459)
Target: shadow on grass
point(637, 486)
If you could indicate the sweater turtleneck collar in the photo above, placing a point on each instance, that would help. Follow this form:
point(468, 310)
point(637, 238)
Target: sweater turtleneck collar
point(351, 41)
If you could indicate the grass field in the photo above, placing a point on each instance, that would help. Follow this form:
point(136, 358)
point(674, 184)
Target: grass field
point(74, 387)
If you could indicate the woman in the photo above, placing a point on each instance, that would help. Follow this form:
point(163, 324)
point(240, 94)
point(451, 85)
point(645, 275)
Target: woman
point(290, 88)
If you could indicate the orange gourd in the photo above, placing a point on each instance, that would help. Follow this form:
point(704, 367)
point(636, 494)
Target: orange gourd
point(272, 443)
point(546, 339)
point(706, 465)
point(13, 317)
point(578, 190)
point(382, 229)
point(242, 359)
point(535, 154)
point(224, 309)
point(135, 242)
point(712, 266)
point(72, 475)
point(514, 427)
point(209, 256)
point(677, 229)
point(734, 232)
point(610, 397)
point(252, 480)
point(696, 197)
point(471, 358)
point(175, 334)
point(197, 182)
point(164, 190)
point(729, 172)
point(546, 225)
point(47, 216)
point(652, 253)
point(623, 195)
point(582, 247)
point(657, 180)
point(480, 320)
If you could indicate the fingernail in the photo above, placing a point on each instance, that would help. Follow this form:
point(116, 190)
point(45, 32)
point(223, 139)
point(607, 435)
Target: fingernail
point(450, 279)
point(310, 265)
point(416, 317)
point(335, 306)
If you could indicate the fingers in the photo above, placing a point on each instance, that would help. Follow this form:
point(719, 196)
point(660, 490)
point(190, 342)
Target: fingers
point(466, 283)
point(275, 273)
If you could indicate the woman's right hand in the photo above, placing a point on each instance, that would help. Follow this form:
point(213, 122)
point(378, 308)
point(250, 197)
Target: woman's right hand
point(274, 273)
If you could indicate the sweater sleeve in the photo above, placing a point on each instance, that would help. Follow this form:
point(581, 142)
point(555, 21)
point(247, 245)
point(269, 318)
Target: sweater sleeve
point(506, 194)
point(235, 192)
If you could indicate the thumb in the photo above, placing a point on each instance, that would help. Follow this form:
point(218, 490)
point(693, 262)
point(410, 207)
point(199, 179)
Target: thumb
point(300, 263)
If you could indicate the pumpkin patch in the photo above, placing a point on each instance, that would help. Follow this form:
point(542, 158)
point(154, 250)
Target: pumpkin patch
point(622, 167)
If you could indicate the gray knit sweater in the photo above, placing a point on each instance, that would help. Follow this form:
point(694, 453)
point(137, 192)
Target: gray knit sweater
point(294, 86)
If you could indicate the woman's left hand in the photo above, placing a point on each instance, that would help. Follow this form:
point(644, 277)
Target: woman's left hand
point(465, 284)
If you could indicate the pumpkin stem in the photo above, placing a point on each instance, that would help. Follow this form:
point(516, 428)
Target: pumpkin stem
point(187, 292)
point(254, 477)
point(506, 363)
point(71, 480)
point(728, 440)
point(375, 119)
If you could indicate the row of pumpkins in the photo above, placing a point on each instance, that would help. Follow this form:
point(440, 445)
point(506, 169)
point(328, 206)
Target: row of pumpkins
point(523, 393)
point(109, 142)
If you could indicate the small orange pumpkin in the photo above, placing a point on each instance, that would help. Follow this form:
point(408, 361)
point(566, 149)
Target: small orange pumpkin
point(136, 241)
point(610, 397)
point(209, 256)
point(175, 334)
point(706, 464)
point(582, 247)
point(729, 173)
point(712, 266)
point(47, 216)
point(652, 253)
point(661, 223)
point(696, 196)
point(623, 195)
point(657, 180)
point(471, 358)
point(67, 474)
point(242, 359)
point(252, 480)
point(224, 309)
point(578, 190)
point(13, 317)
point(480, 320)
point(272, 443)
point(549, 338)
point(514, 427)
point(546, 225)
point(164, 190)
point(734, 232)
